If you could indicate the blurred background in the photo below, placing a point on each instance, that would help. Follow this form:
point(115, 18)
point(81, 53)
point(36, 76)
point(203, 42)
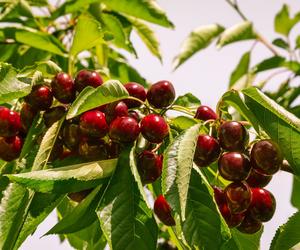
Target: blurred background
point(205, 75)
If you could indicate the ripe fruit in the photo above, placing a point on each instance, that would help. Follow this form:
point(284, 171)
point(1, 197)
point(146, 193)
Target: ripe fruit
point(219, 195)
point(79, 196)
point(92, 149)
point(161, 94)
point(70, 135)
point(40, 98)
point(10, 122)
point(149, 166)
point(93, 123)
point(162, 210)
point(266, 157)
point(136, 90)
point(124, 129)
point(263, 204)
point(207, 150)
point(63, 88)
point(234, 166)
point(27, 115)
point(114, 110)
point(10, 147)
point(86, 78)
point(256, 179)
point(154, 128)
point(232, 220)
point(54, 114)
point(238, 196)
point(249, 225)
point(205, 113)
point(135, 115)
point(233, 136)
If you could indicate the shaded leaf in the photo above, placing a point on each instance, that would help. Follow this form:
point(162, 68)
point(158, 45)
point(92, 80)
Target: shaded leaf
point(270, 63)
point(279, 42)
point(241, 69)
point(188, 100)
point(295, 198)
point(181, 123)
point(47, 68)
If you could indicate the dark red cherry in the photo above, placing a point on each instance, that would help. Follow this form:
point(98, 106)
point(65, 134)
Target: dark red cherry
point(232, 220)
point(234, 166)
point(70, 135)
point(149, 165)
point(207, 150)
point(10, 122)
point(205, 113)
point(161, 94)
point(135, 115)
point(233, 136)
point(40, 98)
point(257, 179)
point(124, 129)
point(92, 149)
point(53, 115)
point(136, 90)
point(27, 115)
point(114, 110)
point(162, 210)
point(10, 147)
point(249, 225)
point(154, 128)
point(219, 195)
point(238, 196)
point(93, 123)
point(113, 149)
point(79, 196)
point(266, 157)
point(63, 88)
point(86, 78)
point(262, 205)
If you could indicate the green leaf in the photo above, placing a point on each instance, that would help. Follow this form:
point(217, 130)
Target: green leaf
point(125, 219)
point(279, 42)
point(239, 32)
point(241, 69)
point(197, 40)
point(295, 198)
point(181, 123)
point(88, 33)
point(177, 167)
point(283, 22)
point(90, 98)
point(188, 100)
point(298, 42)
point(47, 68)
point(15, 9)
point(288, 234)
point(147, 10)
point(66, 179)
point(282, 126)
point(10, 87)
point(270, 63)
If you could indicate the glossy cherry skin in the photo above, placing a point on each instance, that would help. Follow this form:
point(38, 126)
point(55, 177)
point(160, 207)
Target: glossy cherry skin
point(233, 136)
point(63, 88)
point(232, 220)
point(234, 166)
point(149, 165)
point(219, 195)
point(135, 115)
point(124, 129)
point(27, 115)
point(238, 196)
point(10, 122)
point(249, 225)
point(154, 128)
point(161, 94)
point(93, 123)
point(114, 110)
point(79, 196)
point(41, 97)
point(71, 135)
point(54, 114)
point(263, 204)
point(205, 113)
point(136, 90)
point(10, 147)
point(266, 157)
point(257, 179)
point(92, 149)
point(86, 78)
point(162, 210)
point(207, 150)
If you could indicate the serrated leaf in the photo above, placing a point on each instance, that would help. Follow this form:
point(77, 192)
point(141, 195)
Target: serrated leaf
point(47, 68)
point(239, 32)
point(188, 100)
point(197, 40)
point(241, 69)
point(68, 179)
point(182, 123)
point(90, 98)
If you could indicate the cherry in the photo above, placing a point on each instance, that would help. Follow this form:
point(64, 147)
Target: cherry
point(266, 157)
point(205, 113)
point(124, 129)
point(207, 150)
point(53, 115)
point(93, 123)
point(86, 78)
point(70, 135)
point(219, 195)
point(162, 210)
point(135, 115)
point(263, 204)
point(10, 147)
point(57, 150)
point(79, 196)
point(238, 196)
point(136, 90)
point(63, 88)
point(40, 98)
point(154, 128)
point(10, 122)
point(232, 220)
point(149, 166)
point(257, 179)
point(92, 149)
point(27, 115)
point(233, 136)
point(161, 94)
point(234, 166)
point(115, 109)
point(249, 225)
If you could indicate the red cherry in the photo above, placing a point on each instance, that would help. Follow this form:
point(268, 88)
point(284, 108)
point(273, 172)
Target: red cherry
point(249, 225)
point(124, 129)
point(219, 195)
point(70, 135)
point(232, 220)
point(114, 110)
point(93, 124)
point(162, 210)
point(40, 98)
point(53, 115)
point(92, 149)
point(161, 94)
point(10, 122)
point(205, 113)
point(136, 90)
point(79, 196)
point(257, 179)
point(27, 115)
point(154, 128)
point(63, 88)
point(86, 78)
point(149, 166)
point(10, 147)
point(135, 115)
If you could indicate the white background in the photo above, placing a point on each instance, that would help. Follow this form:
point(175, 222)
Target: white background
point(206, 76)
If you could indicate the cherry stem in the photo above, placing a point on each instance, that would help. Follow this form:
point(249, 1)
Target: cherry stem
point(287, 167)
point(140, 101)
